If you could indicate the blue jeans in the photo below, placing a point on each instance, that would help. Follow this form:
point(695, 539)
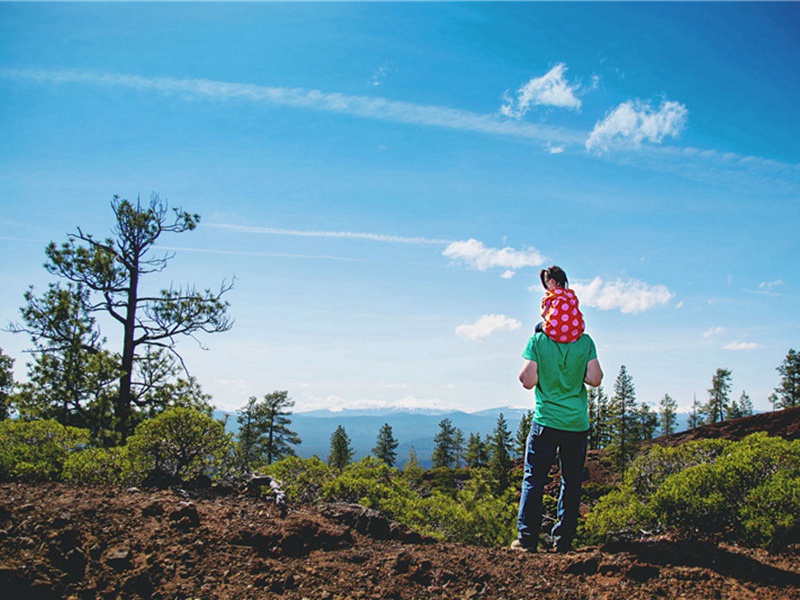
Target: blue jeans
point(540, 452)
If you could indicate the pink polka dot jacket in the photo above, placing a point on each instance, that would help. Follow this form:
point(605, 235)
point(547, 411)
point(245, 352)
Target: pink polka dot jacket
point(563, 320)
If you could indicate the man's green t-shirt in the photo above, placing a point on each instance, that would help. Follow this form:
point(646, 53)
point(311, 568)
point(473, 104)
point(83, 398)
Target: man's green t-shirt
point(561, 398)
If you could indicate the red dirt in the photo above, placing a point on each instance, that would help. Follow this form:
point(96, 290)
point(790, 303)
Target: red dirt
point(67, 541)
point(59, 541)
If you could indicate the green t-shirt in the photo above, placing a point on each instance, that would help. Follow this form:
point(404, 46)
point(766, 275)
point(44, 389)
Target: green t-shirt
point(561, 398)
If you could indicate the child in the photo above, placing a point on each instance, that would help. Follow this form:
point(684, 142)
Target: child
point(563, 321)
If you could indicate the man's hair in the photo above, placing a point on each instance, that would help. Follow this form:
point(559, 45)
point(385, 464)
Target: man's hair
point(556, 274)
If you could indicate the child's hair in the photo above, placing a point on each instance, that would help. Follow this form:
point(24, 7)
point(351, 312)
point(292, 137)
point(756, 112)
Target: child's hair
point(556, 274)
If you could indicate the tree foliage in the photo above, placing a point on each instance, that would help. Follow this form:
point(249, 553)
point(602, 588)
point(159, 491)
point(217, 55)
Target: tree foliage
point(446, 448)
point(667, 414)
point(787, 394)
point(341, 451)
point(622, 422)
point(521, 437)
point(264, 430)
point(36, 450)
point(108, 276)
point(386, 446)
point(6, 384)
point(500, 450)
point(179, 445)
point(718, 397)
point(477, 453)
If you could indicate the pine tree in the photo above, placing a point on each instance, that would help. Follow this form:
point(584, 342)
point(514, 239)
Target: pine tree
point(521, 439)
point(717, 406)
point(694, 417)
point(667, 414)
point(445, 450)
point(341, 451)
point(623, 423)
point(745, 404)
point(264, 433)
point(477, 453)
point(646, 422)
point(787, 394)
point(386, 447)
point(6, 384)
point(500, 461)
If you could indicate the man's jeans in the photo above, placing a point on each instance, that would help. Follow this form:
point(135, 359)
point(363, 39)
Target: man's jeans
point(540, 451)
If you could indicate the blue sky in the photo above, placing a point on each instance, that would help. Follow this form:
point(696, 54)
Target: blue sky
point(385, 181)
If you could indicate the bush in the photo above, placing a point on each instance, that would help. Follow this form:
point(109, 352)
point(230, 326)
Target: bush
point(100, 465)
point(179, 445)
point(747, 491)
point(302, 479)
point(36, 450)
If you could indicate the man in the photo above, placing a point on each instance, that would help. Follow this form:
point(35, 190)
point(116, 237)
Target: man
point(560, 425)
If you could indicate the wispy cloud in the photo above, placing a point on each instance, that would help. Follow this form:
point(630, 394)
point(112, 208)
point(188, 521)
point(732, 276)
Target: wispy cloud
point(478, 256)
point(631, 296)
point(551, 89)
point(742, 346)
point(768, 287)
point(351, 235)
point(264, 254)
point(486, 326)
point(363, 106)
point(714, 331)
point(635, 121)
point(338, 404)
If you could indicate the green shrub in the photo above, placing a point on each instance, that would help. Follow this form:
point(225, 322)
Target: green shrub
point(36, 450)
point(745, 491)
point(179, 445)
point(99, 465)
point(302, 479)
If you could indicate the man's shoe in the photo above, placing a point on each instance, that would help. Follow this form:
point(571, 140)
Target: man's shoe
point(518, 545)
point(563, 548)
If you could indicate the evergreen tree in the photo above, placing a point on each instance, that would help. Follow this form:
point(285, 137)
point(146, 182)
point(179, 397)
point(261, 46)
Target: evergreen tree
point(623, 421)
point(477, 452)
point(667, 414)
point(445, 449)
point(6, 384)
point(694, 417)
point(112, 272)
point(717, 406)
point(523, 429)
point(500, 461)
point(787, 394)
point(600, 419)
point(341, 451)
point(72, 380)
point(264, 433)
point(386, 447)
point(745, 404)
point(458, 444)
point(412, 470)
point(646, 422)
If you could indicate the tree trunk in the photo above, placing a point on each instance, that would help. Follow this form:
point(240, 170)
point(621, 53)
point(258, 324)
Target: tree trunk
point(122, 410)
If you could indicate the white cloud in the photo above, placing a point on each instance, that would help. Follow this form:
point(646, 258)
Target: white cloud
point(477, 256)
point(768, 287)
point(552, 89)
point(351, 235)
point(555, 149)
point(679, 304)
point(713, 332)
point(486, 326)
point(508, 274)
point(631, 296)
point(367, 107)
point(635, 121)
point(742, 346)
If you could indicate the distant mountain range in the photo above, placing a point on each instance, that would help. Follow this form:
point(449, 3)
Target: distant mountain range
point(415, 428)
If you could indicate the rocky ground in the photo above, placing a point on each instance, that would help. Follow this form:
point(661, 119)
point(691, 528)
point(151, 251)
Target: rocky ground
point(60, 541)
point(67, 541)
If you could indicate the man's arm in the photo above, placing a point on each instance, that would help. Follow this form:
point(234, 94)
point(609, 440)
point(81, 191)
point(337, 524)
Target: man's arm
point(529, 376)
point(594, 374)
